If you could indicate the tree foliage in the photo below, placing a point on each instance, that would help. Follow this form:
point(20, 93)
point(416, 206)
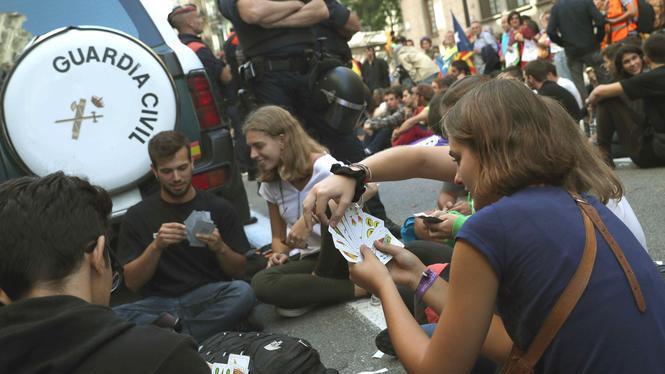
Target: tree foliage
point(377, 15)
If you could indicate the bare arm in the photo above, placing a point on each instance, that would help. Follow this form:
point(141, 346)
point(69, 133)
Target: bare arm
point(604, 91)
point(409, 123)
point(392, 164)
point(312, 13)
point(225, 75)
point(231, 262)
point(351, 26)
point(631, 12)
point(277, 229)
point(141, 269)
point(260, 12)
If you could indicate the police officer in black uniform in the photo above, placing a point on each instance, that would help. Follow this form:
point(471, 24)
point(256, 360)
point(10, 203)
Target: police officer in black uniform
point(333, 35)
point(278, 40)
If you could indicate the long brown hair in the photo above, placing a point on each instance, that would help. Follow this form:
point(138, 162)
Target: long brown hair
point(522, 139)
point(295, 160)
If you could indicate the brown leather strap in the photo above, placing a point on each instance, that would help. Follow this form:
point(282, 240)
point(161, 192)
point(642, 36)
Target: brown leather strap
point(568, 299)
point(618, 253)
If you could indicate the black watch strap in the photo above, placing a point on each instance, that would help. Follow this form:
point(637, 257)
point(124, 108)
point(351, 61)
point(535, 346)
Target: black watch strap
point(358, 175)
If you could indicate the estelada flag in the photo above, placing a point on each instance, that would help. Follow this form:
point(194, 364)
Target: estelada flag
point(464, 46)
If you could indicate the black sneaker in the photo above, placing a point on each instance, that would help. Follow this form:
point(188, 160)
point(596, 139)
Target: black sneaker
point(169, 322)
point(384, 344)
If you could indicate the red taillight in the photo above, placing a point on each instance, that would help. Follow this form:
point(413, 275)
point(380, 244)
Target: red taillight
point(204, 101)
point(210, 179)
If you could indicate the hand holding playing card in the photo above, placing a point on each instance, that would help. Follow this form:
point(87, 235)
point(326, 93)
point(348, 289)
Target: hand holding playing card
point(369, 274)
point(357, 228)
point(213, 241)
point(170, 233)
point(198, 222)
point(405, 268)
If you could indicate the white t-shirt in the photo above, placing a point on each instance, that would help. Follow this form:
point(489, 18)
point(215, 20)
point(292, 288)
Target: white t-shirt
point(289, 199)
point(625, 213)
point(570, 87)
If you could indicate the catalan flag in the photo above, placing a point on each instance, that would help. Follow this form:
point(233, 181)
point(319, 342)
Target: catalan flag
point(195, 150)
point(464, 46)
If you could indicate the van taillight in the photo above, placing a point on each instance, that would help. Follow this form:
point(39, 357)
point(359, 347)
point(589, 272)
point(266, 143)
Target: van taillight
point(204, 101)
point(210, 179)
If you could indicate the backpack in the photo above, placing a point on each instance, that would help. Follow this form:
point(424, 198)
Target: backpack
point(646, 18)
point(269, 353)
point(658, 7)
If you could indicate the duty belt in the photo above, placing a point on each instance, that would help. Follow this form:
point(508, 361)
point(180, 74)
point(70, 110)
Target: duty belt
point(259, 65)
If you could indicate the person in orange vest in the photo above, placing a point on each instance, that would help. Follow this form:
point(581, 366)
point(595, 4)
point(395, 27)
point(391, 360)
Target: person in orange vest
point(189, 23)
point(621, 20)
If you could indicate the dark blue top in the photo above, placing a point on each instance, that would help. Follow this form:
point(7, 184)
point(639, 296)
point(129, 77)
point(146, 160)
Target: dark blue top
point(534, 241)
point(257, 41)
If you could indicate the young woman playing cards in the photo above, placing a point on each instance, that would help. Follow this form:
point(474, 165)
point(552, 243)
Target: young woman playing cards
point(524, 161)
point(305, 269)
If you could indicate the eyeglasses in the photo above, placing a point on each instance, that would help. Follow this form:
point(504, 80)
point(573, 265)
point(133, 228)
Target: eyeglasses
point(116, 266)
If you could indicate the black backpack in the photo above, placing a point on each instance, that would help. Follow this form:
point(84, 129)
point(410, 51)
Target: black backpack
point(269, 353)
point(646, 17)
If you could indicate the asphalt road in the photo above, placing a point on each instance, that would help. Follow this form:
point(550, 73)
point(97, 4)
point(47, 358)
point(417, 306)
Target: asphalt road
point(345, 338)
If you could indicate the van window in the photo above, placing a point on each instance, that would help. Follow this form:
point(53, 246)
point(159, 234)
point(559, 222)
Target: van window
point(36, 17)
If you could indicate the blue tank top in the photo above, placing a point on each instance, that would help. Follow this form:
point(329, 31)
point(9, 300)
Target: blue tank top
point(534, 241)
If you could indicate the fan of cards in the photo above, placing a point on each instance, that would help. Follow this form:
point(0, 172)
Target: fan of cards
point(358, 228)
point(198, 222)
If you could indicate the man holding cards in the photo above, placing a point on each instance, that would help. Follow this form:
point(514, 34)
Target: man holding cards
point(183, 248)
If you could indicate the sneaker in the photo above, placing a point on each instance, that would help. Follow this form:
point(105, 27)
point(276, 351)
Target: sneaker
point(293, 312)
point(384, 344)
point(169, 322)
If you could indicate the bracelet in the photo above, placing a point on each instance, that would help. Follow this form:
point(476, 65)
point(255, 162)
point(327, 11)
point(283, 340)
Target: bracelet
point(366, 169)
point(426, 281)
point(358, 175)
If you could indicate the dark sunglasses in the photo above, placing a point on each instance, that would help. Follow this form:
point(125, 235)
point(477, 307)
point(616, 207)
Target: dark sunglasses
point(116, 266)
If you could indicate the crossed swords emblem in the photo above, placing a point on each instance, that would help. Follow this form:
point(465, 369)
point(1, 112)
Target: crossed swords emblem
point(79, 117)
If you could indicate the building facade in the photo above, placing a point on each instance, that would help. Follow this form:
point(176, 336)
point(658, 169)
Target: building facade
point(13, 38)
point(433, 17)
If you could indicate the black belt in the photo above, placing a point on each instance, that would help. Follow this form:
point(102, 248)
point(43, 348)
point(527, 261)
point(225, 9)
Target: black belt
point(295, 64)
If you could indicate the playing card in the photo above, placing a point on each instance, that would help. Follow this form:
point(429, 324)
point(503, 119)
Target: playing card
point(197, 220)
point(357, 228)
point(351, 254)
point(239, 362)
point(203, 227)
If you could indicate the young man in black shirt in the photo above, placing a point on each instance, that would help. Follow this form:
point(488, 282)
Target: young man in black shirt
point(56, 276)
point(643, 139)
point(535, 76)
point(192, 283)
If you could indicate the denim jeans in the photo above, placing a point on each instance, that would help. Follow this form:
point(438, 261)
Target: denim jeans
point(203, 312)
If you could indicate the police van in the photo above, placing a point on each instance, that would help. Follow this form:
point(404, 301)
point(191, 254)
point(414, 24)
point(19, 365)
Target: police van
point(88, 83)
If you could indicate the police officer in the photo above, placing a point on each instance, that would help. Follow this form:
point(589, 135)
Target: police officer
point(278, 40)
point(189, 23)
point(332, 37)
